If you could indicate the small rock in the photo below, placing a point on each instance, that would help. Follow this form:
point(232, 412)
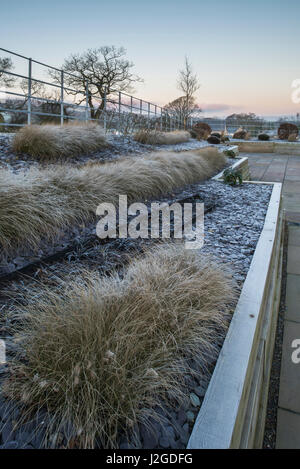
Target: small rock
point(7, 432)
point(24, 438)
point(190, 416)
point(125, 445)
point(184, 437)
point(214, 140)
point(149, 437)
point(169, 432)
point(185, 427)
point(200, 391)
point(194, 400)
point(181, 417)
point(10, 445)
point(164, 442)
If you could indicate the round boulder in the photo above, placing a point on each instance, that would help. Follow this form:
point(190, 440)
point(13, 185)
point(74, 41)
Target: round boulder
point(286, 129)
point(216, 134)
point(193, 134)
point(241, 134)
point(213, 139)
point(263, 137)
point(202, 130)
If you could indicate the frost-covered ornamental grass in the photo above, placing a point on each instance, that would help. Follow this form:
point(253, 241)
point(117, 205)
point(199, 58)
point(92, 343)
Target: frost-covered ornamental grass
point(42, 202)
point(231, 233)
point(102, 352)
point(53, 142)
point(156, 137)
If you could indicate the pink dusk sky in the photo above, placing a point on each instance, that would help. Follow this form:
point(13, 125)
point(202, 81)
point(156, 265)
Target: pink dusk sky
point(245, 53)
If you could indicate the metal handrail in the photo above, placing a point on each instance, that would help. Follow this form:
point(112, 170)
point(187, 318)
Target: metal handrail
point(113, 104)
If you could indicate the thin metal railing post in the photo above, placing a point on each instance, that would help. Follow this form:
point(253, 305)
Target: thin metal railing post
point(120, 104)
point(161, 119)
point(104, 109)
point(62, 97)
point(29, 91)
point(86, 101)
point(130, 104)
point(148, 114)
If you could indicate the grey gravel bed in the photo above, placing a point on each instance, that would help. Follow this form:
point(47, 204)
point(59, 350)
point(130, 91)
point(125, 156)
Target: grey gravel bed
point(232, 230)
point(76, 235)
point(118, 146)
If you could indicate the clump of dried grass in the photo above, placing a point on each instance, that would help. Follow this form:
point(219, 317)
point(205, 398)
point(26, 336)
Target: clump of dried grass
point(53, 142)
point(42, 202)
point(102, 352)
point(156, 137)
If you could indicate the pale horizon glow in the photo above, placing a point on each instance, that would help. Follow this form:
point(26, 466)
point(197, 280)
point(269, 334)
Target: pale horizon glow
point(244, 53)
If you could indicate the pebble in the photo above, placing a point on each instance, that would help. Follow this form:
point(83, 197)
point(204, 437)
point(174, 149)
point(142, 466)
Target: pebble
point(164, 442)
point(181, 417)
point(10, 445)
point(194, 400)
point(185, 427)
point(149, 437)
point(200, 391)
point(7, 432)
point(190, 416)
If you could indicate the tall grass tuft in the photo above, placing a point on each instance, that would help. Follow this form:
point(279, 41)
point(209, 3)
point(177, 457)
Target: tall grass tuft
point(42, 202)
point(102, 352)
point(52, 142)
point(156, 137)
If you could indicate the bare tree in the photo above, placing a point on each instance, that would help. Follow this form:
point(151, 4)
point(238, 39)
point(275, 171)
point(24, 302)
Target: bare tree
point(6, 65)
point(106, 70)
point(182, 108)
point(37, 89)
point(189, 84)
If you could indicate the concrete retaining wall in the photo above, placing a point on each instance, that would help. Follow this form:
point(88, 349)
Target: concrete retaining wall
point(289, 148)
point(241, 165)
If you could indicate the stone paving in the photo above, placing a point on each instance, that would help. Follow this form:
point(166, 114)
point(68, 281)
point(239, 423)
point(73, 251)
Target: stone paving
point(286, 169)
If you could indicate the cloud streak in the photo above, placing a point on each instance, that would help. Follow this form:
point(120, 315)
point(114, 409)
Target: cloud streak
point(219, 107)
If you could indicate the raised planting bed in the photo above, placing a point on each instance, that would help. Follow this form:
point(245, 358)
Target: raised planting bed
point(234, 228)
point(275, 146)
point(117, 147)
point(234, 408)
point(241, 165)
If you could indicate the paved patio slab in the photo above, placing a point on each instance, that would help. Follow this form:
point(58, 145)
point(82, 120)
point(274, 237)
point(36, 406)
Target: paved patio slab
point(294, 235)
point(291, 201)
point(293, 263)
point(291, 186)
point(288, 425)
point(293, 298)
point(286, 169)
point(289, 395)
point(293, 217)
point(293, 177)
